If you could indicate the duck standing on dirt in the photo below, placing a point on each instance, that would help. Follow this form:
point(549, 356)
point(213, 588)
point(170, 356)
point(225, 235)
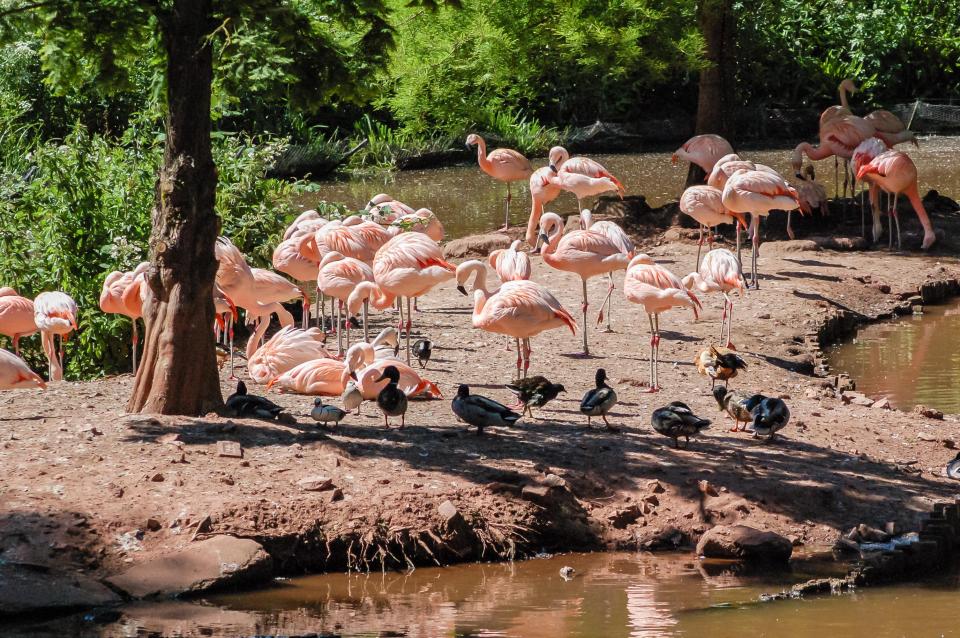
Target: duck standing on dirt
point(391, 400)
point(481, 411)
point(243, 404)
point(719, 363)
point(735, 405)
point(351, 397)
point(677, 419)
point(769, 415)
point(953, 467)
point(423, 350)
point(600, 400)
point(534, 392)
point(326, 413)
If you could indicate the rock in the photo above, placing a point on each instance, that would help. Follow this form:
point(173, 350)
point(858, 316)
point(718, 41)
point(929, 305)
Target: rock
point(230, 449)
point(316, 483)
point(153, 524)
point(744, 543)
point(652, 499)
point(214, 563)
point(552, 480)
point(536, 493)
point(34, 589)
point(115, 490)
point(882, 404)
point(567, 573)
point(476, 245)
point(449, 513)
point(856, 398)
point(930, 413)
point(204, 526)
point(661, 538)
point(157, 478)
point(655, 487)
point(625, 516)
point(336, 494)
point(705, 488)
point(845, 383)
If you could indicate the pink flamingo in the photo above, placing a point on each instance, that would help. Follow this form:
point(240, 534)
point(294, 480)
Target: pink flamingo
point(306, 219)
point(502, 164)
point(360, 298)
point(289, 260)
point(15, 373)
point(410, 265)
point(542, 191)
point(719, 272)
point(273, 288)
point(705, 205)
point(338, 277)
point(585, 252)
point(16, 317)
point(757, 193)
point(703, 150)
point(367, 370)
point(421, 221)
point(584, 185)
point(384, 209)
point(285, 350)
point(889, 128)
point(843, 108)
point(55, 313)
point(839, 136)
point(327, 377)
point(863, 155)
point(561, 162)
point(112, 300)
point(895, 173)
point(618, 236)
point(510, 264)
point(657, 290)
point(519, 309)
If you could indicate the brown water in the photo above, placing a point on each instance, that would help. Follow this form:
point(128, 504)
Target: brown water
point(912, 359)
point(611, 595)
point(467, 201)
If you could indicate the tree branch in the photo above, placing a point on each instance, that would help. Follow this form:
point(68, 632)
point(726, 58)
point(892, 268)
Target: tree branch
point(26, 7)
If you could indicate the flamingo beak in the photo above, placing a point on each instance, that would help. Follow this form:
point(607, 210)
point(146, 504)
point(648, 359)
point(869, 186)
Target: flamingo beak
point(353, 375)
point(271, 383)
point(544, 238)
point(553, 168)
point(461, 289)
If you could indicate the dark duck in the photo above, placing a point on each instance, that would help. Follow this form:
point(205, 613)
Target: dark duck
point(769, 415)
point(534, 392)
point(600, 400)
point(391, 400)
point(243, 404)
point(480, 411)
point(423, 350)
point(677, 419)
point(720, 364)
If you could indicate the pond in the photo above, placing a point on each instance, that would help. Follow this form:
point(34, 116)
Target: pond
point(467, 201)
point(611, 595)
point(912, 359)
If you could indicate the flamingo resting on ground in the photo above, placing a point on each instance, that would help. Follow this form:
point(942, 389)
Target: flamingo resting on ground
point(895, 173)
point(520, 309)
point(285, 350)
point(366, 370)
point(757, 193)
point(15, 373)
point(16, 317)
point(502, 164)
point(585, 252)
point(657, 290)
point(410, 265)
point(55, 313)
point(719, 272)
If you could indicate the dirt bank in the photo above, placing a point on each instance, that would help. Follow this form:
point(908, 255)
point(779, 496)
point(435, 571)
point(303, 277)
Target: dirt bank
point(90, 488)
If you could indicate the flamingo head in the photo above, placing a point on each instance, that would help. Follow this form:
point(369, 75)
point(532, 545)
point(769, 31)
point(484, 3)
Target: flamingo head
point(473, 140)
point(558, 155)
point(849, 86)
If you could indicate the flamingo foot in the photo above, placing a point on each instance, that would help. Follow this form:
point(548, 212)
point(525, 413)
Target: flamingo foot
point(652, 389)
point(730, 345)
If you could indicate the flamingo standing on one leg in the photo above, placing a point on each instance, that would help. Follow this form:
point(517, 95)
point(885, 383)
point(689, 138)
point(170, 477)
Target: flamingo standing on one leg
point(618, 236)
point(410, 265)
point(338, 277)
point(757, 193)
point(561, 162)
point(895, 173)
point(719, 272)
point(703, 150)
point(15, 373)
point(705, 205)
point(112, 300)
point(502, 164)
point(585, 252)
point(16, 317)
point(542, 191)
point(520, 309)
point(55, 313)
point(657, 290)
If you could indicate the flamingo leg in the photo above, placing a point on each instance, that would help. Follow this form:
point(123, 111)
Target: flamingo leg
point(836, 177)
point(400, 308)
point(339, 332)
point(316, 293)
point(789, 224)
point(584, 306)
point(519, 358)
point(409, 326)
point(366, 332)
point(755, 227)
point(656, 350)
point(699, 246)
point(16, 345)
point(348, 327)
point(506, 219)
point(526, 356)
point(896, 217)
point(653, 377)
point(730, 324)
point(230, 332)
point(606, 304)
point(135, 340)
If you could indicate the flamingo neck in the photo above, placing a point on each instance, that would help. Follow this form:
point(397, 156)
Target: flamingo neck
point(479, 301)
point(480, 277)
point(843, 95)
point(482, 153)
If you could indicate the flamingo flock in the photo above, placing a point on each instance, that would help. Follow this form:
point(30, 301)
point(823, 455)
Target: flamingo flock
point(388, 255)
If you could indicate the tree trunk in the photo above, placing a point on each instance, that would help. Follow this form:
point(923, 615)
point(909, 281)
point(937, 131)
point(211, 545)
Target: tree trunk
point(178, 373)
point(716, 86)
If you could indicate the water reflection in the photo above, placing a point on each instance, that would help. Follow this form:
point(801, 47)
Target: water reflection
point(913, 359)
point(467, 201)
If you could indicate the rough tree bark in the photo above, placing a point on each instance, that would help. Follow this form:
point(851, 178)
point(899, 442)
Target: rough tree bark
point(178, 373)
point(716, 87)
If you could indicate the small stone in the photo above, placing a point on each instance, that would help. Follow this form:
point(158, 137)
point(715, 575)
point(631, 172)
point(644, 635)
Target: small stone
point(244, 463)
point(383, 481)
point(336, 494)
point(882, 404)
point(115, 490)
point(157, 478)
point(656, 487)
point(230, 449)
point(316, 483)
point(297, 450)
point(625, 516)
point(567, 573)
point(153, 524)
point(552, 480)
point(705, 488)
point(227, 480)
point(652, 499)
point(448, 512)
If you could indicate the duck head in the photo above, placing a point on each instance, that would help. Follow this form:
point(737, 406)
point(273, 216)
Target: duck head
point(601, 378)
point(391, 373)
point(720, 394)
point(463, 390)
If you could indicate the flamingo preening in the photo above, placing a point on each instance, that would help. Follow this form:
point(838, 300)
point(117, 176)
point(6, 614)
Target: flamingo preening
point(55, 314)
point(719, 272)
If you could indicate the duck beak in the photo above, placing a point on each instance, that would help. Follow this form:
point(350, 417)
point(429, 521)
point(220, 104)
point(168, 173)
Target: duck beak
point(382, 377)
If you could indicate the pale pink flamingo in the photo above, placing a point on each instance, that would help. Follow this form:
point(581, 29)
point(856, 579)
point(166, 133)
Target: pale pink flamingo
point(618, 236)
point(587, 253)
point(421, 221)
point(704, 204)
point(55, 313)
point(561, 162)
point(367, 371)
point(273, 288)
point(757, 193)
point(338, 277)
point(304, 219)
point(326, 377)
point(890, 128)
point(519, 309)
point(410, 265)
point(16, 316)
point(722, 170)
point(112, 300)
point(719, 272)
point(362, 295)
point(843, 108)
point(285, 350)
point(288, 259)
point(359, 240)
point(703, 150)
point(16, 374)
point(584, 186)
point(511, 264)
point(895, 173)
point(384, 209)
point(657, 290)
point(839, 137)
point(503, 165)
point(542, 191)
point(863, 155)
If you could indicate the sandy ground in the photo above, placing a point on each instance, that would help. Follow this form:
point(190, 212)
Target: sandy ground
point(88, 486)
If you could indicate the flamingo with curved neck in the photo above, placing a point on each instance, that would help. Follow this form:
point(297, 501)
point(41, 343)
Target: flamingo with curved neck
point(502, 164)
